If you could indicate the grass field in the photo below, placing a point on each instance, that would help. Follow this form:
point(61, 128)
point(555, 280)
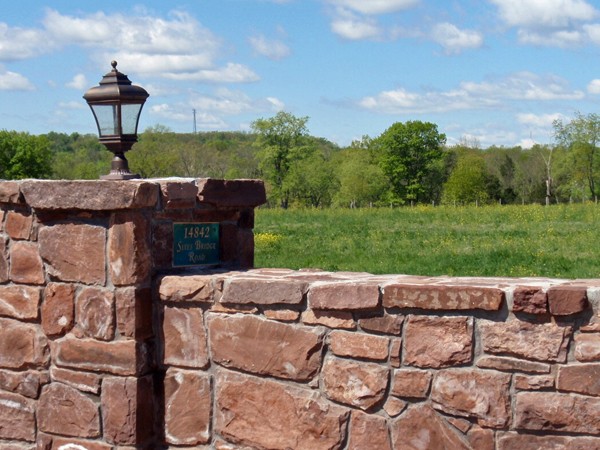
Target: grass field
point(561, 241)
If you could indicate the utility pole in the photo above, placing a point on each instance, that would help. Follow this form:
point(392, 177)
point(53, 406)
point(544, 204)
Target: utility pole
point(195, 131)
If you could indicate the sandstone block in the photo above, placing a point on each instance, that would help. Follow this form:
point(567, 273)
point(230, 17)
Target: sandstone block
point(396, 353)
point(533, 383)
point(481, 438)
point(26, 264)
point(129, 256)
point(18, 225)
point(10, 192)
point(264, 291)
point(511, 364)
point(95, 313)
point(22, 345)
point(368, 432)
point(82, 381)
point(567, 300)
point(20, 302)
point(64, 410)
point(530, 300)
point(134, 312)
point(24, 383)
point(435, 297)
point(74, 252)
point(58, 309)
point(422, 428)
point(359, 384)
point(356, 345)
point(438, 341)
point(394, 406)
point(548, 411)
point(17, 417)
point(540, 342)
point(265, 347)
point(230, 193)
point(480, 394)
point(518, 441)
point(330, 319)
point(583, 379)
point(282, 315)
point(127, 410)
point(178, 193)
point(61, 443)
point(267, 414)
point(188, 404)
point(388, 324)
point(344, 296)
point(411, 383)
point(184, 338)
point(3, 256)
point(587, 347)
point(193, 288)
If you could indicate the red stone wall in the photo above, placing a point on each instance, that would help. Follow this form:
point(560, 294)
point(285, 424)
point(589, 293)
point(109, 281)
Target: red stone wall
point(104, 346)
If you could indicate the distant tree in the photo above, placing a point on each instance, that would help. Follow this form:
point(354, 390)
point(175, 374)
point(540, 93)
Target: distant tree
point(24, 156)
point(468, 182)
point(408, 154)
point(281, 140)
point(311, 181)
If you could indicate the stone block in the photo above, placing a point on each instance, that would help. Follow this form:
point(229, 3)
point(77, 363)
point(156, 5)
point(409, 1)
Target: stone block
point(581, 378)
point(368, 432)
point(520, 441)
point(231, 193)
point(411, 383)
point(435, 297)
point(530, 300)
point(188, 404)
point(262, 413)
point(26, 265)
point(511, 364)
point(134, 312)
point(265, 347)
point(178, 193)
point(330, 319)
point(95, 313)
point(58, 309)
point(264, 291)
point(388, 324)
point(74, 252)
point(66, 411)
point(190, 288)
point(61, 443)
point(435, 342)
point(347, 296)
point(82, 381)
point(17, 417)
point(357, 345)
point(3, 257)
point(479, 394)
point(184, 338)
point(587, 347)
point(359, 384)
point(282, 315)
point(567, 300)
point(24, 383)
point(18, 225)
point(22, 345)
point(20, 302)
point(10, 192)
point(533, 382)
point(540, 342)
point(129, 256)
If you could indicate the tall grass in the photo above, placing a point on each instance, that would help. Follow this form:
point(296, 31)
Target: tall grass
point(561, 241)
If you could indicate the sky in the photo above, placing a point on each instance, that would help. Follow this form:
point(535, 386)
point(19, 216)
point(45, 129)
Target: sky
point(487, 72)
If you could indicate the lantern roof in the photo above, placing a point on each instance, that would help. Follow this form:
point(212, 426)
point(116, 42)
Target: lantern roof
point(115, 87)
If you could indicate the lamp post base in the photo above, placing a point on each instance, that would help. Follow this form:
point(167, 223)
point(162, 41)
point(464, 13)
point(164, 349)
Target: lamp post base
point(120, 176)
point(119, 169)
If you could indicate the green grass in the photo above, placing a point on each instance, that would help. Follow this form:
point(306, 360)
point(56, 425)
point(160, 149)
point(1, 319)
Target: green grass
point(560, 241)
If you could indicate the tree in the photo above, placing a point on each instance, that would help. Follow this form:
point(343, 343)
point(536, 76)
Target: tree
point(468, 182)
point(24, 156)
point(311, 181)
point(280, 140)
point(361, 181)
point(408, 153)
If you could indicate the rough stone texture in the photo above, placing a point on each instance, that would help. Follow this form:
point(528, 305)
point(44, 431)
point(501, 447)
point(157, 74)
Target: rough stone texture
point(362, 346)
point(583, 379)
point(567, 300)
point(22, 345)
point(587, 347)
point(265, 347)
point(129, 255)
point(510, 364)
point(188, 404)
point(540, 342)
point(95, 313)
point(18, 225)
point(331, 319)
point(17, 417)
point(359, 384)
point(368, 432)
point(58, 309)
point(264, 292)
point(26, 265)
point(82, 381)
point(25, 383)
point(421, 428)
point(10, 192)
point(530, 300)
point(20, 302)
point(282, 315)
point(178, 193)
point(64, 410)
point(267, 414)
point(344, 296)
point(60, 443)
point(229, 193)
point(388, 324)
point(394, 406)
point(478, 394)
point(194, 288)
point(533, 383)
point(134, 312)
point(481, 438)
point(442, 297)
point(184, 338)
point(127, 410)
point(411, 383)
point(3, 256)
point(438, 341)
point(74, 252)
point(547, 411)
point(517, 441)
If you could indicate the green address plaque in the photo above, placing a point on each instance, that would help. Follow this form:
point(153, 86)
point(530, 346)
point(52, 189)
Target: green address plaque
point(195, 244)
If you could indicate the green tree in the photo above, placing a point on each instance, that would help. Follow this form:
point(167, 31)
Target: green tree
point(280, 140)
point(23, 155)
point(408, 153)
point(311, 181)
point(361, 181)
point(468, 182)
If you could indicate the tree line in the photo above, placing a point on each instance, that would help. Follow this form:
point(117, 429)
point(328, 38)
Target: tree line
point(409, 163)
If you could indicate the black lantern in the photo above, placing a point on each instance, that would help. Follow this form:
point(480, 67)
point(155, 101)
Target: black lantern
point(117, 105)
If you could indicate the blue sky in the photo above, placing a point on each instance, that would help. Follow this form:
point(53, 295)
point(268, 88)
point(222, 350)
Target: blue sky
point(487, 72)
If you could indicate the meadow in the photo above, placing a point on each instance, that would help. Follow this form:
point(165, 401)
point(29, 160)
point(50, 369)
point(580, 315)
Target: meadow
point(559, 241)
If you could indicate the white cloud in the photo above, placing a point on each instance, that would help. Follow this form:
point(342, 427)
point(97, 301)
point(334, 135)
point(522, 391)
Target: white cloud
point(231, 73)
point(21, 43)
point(594, 86)
point(455, 40)
point(539, 120)
point(72, 105)
point(182, 113)
point(353, 27)
point(544, 13)
point(11, 81)
point(374, 6)
point(562, 38)
point(79, 82)
point(272, 49)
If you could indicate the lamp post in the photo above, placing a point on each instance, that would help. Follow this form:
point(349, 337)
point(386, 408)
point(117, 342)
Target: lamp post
point(116, 105)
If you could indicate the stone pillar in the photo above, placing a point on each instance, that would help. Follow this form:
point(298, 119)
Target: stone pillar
point(77, 264)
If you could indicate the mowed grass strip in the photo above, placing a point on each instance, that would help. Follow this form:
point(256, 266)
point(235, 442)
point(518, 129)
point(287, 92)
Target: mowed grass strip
point(560, 241)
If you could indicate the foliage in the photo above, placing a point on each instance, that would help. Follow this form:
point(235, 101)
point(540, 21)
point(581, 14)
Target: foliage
point(468, 182)
point(24, 156)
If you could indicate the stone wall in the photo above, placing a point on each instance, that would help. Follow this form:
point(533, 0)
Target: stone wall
point(105, 346)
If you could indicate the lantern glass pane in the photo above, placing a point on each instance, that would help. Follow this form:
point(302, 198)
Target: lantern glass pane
point(107, 118)
point(130, 114)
